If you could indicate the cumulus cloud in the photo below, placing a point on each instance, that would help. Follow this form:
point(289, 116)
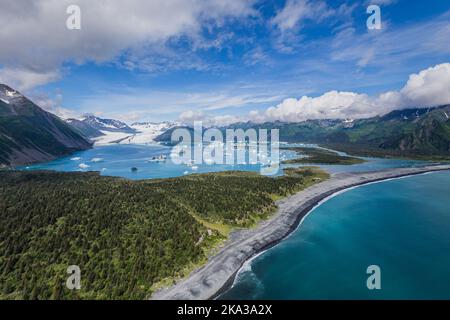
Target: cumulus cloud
point(331, 105)
point(35, 40)
point(428, 88)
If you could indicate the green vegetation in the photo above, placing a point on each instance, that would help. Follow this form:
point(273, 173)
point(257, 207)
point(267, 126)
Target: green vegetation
point(320, 156)
point(128, 237)
point(362, 150)
point(421, 133)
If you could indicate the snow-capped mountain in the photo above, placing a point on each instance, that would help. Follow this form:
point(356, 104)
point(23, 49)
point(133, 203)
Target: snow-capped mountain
point(30, 134)
point(109, 131)
point(10, 96)
point(107, 124)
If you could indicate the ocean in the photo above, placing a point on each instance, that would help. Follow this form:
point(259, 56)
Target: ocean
point(402, 226)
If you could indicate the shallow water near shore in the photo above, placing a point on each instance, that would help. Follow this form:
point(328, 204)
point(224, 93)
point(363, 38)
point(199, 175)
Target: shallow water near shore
point(400, 225)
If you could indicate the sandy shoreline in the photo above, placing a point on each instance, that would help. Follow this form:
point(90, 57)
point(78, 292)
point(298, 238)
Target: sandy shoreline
point(218, 274)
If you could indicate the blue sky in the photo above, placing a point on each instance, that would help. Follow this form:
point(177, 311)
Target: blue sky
point(222, 61)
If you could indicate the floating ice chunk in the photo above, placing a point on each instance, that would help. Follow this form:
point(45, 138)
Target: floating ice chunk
point(83, 166)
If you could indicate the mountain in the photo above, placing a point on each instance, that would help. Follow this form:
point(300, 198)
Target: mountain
point(29, 134)
point(414, 132)
point(107, 124)
point(410, 132)
point(85, 129)
point(109, 131)
point(91, 126)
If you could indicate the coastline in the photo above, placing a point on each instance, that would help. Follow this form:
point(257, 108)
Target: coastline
point(233, 280)
point(218, 274)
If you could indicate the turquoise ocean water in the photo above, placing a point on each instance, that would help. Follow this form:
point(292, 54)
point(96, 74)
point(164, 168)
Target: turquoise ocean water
point(403, 226)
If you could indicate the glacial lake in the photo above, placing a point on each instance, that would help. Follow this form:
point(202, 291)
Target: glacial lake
point(117, 160)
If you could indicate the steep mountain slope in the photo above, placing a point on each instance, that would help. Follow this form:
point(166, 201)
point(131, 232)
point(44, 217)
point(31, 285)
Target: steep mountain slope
point(408, 132)
point(107, 124)
point(85, 129)
point(92, 127)
point(29, 134)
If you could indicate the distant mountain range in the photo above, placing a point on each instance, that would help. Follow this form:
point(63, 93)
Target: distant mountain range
point(29, 134)
point(411, 132)
point(91, 126)
point(108, 131)
point(416, 132)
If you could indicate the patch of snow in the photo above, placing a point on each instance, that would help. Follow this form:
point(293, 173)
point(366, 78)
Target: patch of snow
point(146, 133)
point(110, 137)
point(10, 93)
point(105, 125)
point(5, 101)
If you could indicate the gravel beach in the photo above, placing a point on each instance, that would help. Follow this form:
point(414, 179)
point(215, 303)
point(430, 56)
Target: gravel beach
point(219, 272)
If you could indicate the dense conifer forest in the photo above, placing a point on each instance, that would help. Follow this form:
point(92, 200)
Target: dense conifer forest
point(320, 156)
point(126, 236)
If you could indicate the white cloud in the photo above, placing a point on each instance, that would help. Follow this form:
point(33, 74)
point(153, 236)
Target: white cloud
point(289, 21)
point(24, 79)
point(188, 117)
point(392, 45)
point(428, 88)
point(296, 11)
point(34, 37)
point(149, 105)
point(381, 2)
point(53, 105)
point(331, 105)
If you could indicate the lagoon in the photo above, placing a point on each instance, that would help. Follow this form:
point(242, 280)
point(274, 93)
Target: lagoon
point(118, 159)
